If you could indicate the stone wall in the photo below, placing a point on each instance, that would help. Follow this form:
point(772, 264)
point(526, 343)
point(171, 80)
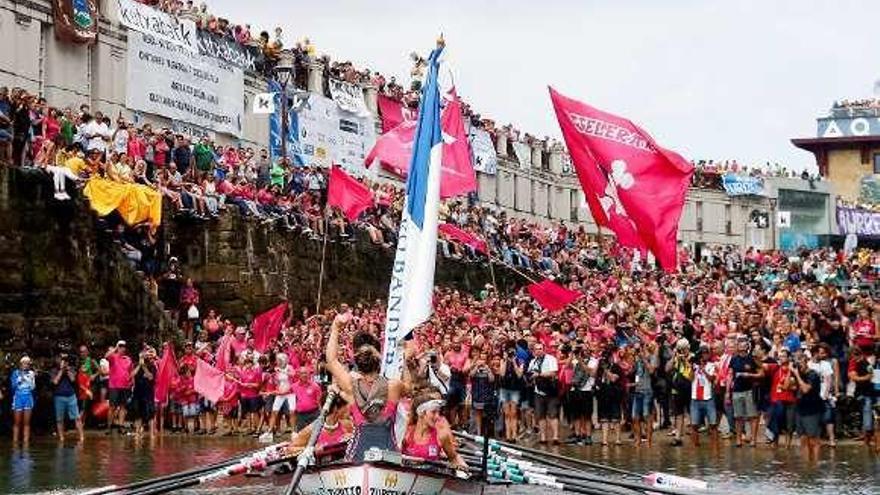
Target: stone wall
point(62, 279)
point(243, 267)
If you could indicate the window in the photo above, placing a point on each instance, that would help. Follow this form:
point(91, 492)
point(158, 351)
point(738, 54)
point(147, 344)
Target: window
point(877, 163)
point(699, 214)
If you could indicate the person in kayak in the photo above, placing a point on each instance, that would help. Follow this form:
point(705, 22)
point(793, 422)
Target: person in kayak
point(373, 398)
point(336, 430)
point(425, 437)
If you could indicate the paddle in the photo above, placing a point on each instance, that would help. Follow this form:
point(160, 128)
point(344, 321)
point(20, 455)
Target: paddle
point(307, 456)
point(259, 460)
point(175, 476)
point(563, 471)
point(520, 450)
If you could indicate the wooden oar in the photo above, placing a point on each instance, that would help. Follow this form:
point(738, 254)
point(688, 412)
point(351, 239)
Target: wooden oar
point(175, 476)
point(563, 471)
point(307, 456)
point(259, 461)
point(519, 450)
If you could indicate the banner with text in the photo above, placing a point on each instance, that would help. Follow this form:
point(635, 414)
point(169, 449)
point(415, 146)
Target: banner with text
point(168, 80)
point(146, 19)
point(229, 51)
point(741, 185)
point(329, 135)
point(857, 221)
point(485, 159)
point(349, 97)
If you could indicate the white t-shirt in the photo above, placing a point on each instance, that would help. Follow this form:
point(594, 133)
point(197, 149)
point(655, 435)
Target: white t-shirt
point(826, 373)
point(98, 131)
point(592, 366)
point(548, 364)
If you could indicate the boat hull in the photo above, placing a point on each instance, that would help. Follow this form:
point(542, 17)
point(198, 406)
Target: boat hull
point(379, 478)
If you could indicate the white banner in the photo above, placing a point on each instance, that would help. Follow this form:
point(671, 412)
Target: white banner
point(485, 159)
point(168, 80)
point(328, 135)
point(349, 97)
point(523, 154)
point(146, 19)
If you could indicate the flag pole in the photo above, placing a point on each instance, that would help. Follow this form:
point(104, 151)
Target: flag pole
point(492, 274)
point(323, 259)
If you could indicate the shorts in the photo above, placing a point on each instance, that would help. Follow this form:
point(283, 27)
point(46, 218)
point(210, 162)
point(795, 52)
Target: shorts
point(703, 410)
point(250, 405)
point(305, 419)
point(119, 396)
point(546, 407)
point(608, 407)
point(508, 395)
point(144, 409)
point(579, 404)
point(22, 401)
point(190, 410)
point(744, 405)
point(829, 413)
point(681, 404)
point(280, 401)
point(206, 406)
point(642, 404)
point(456, 395)
point(527, 399)
point(65, 406)
point(810, 425)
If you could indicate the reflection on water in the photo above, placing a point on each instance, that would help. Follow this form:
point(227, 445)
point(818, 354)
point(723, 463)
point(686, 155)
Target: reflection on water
point(46, 466)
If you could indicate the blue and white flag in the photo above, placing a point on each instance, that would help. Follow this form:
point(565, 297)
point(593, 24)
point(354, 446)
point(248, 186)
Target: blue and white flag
point(412, 275)
point(293, 147)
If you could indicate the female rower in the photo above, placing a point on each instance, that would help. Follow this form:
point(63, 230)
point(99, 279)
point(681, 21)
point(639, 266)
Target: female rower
point(373, 398)
point(425, 438)
point(336, 430)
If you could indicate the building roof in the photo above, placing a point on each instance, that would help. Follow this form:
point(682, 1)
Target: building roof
point(820, 147)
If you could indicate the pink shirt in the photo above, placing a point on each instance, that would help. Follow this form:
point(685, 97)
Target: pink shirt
point(307, 396)
point(120, 371)
point(250, 375)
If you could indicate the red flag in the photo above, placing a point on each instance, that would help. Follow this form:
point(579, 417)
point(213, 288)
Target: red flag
point(394, 150)
point(267, 326)
point(464, 237)
point(208, 381)
point(632, 185)
point(552, 296)
point(224, 345)
point(166, 374)
point(393, 113)
point(345, 192)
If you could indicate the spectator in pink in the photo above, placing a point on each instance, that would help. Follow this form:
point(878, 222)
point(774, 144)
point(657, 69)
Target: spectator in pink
point(120, 384)
point(308, 397)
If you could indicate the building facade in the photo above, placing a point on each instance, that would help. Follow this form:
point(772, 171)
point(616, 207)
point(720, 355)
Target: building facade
point(70, 75)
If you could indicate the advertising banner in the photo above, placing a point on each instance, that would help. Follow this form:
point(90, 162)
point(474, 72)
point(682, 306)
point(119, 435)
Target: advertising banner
point(857, 221)
point(227, 50)
point(523, 154)
point(329, 135)
point(146, 19)
point(835, 127)
point(485, 159)
point(741, 185)
point(349, 97)
point(168, 80)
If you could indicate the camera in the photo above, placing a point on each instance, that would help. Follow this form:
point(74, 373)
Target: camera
point(432, 357)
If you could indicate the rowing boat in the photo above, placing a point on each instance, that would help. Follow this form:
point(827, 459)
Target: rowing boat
point(385, 473)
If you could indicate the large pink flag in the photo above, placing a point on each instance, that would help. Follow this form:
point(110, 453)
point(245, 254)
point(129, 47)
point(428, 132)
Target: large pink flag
point(394, 150)
point(224, 346)
point(208, 381)
point(393, 113)
point(266, 326)
point(462, 236)
point(632, 185)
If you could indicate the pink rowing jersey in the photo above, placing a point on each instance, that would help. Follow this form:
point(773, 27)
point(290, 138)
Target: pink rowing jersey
point(429, 450)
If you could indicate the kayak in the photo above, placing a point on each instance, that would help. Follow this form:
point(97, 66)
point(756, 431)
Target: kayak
point(384, 473)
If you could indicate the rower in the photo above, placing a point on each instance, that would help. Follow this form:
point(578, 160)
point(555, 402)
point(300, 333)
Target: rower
point(336, 430)
point(425, 437)
point(373, 398)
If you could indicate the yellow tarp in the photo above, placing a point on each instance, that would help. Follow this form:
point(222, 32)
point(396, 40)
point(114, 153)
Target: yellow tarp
point(136, 203)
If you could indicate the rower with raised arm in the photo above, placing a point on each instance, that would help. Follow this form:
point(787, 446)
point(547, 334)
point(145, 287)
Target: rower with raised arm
point(374, 398)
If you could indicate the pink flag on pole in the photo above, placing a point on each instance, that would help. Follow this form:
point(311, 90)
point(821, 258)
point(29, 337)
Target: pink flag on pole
point(393, 113)
point(394, 150)
point(208, 381)
point(462, 236)
point(349, 195)
point(632, 185)
point(267, 326)
point(552, 296)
